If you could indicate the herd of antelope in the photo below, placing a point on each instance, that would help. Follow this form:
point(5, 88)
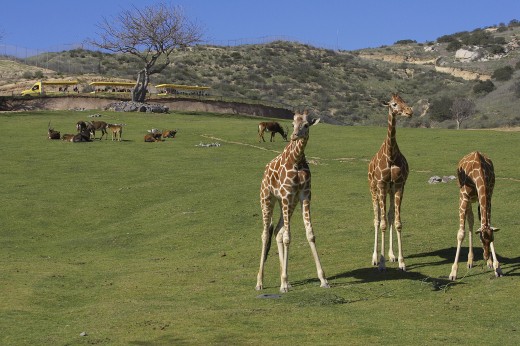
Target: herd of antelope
point(86, 132)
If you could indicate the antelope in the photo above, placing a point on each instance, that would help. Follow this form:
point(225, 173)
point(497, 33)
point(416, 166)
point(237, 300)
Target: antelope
point(51, 134)
point(272, 127)
point(83, 136)
point(81, 125)
point(169, 133)
point(150, 137)
point(68, 137)
point(98, 125)
point(117, 131)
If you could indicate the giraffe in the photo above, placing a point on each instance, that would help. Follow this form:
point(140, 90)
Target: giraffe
point(287, 179)
point(476, 177)
point(387, 173)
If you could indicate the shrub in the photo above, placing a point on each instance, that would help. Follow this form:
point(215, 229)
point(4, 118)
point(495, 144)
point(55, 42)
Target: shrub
point(440, 109)
point(496, 49)
point(38, 74)
point(515, 88)
point(483, 87)
point(27, 75)
point(503, 73)
point(453, 46)
point(408, 41)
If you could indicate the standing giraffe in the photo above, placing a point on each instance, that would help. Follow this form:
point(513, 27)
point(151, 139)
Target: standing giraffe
point(387, 173)
point(287, 179)
point(476, 177)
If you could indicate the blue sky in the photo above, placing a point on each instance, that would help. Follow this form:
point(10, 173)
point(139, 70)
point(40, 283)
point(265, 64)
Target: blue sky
point(335, 24)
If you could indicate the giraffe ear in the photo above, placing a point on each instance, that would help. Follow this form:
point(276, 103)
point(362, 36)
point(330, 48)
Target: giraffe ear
point(385, 103)
point(314, 121)
point(495, 229)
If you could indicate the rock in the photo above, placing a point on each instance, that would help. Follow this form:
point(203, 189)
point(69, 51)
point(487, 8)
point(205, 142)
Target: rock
point(434, 180)
point(130, 106)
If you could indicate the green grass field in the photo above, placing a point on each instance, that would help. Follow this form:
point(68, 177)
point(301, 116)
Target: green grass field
point(139, 243)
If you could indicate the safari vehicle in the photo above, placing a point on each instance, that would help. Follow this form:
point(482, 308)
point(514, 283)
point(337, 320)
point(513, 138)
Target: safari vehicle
point(112, 87)
point(42, 87)
point(182, 90)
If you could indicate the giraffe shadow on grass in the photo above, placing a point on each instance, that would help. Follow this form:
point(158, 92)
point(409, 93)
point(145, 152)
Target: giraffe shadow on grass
point(510, 266)
point(372, 274)
point(442, 257)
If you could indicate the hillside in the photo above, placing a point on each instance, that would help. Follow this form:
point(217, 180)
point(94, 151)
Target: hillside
point(344, 87)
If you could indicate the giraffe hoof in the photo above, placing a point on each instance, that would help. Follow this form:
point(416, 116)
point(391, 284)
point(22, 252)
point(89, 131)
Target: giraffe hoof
point(325, 285)
point(258, 287)
point(498, 273)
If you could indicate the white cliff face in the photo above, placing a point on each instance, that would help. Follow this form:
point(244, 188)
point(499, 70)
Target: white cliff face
point(467, 55)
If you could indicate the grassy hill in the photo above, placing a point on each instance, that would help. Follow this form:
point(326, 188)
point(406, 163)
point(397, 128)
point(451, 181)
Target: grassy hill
point(345, 87)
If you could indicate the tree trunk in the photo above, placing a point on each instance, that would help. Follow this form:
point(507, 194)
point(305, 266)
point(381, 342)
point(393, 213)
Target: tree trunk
point(458, 124)
point(141, 87)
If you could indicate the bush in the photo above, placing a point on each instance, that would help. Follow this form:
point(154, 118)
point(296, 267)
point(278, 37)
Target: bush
point(440, 109)
point(405, 41)
point(483, 87)
point(515, 88)
point(27, 75)
point(503, 73)
point(496, 49)
point(453, 46)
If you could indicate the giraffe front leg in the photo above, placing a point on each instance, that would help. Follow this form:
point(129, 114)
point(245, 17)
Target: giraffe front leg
point(496, 264)
point(391, 229)
point(455, 266)
point(306, 211)
point(471, 220)
point(375, 205)
point(267, 212)
point(283, 239)
point(398, 226)
point(382, 208)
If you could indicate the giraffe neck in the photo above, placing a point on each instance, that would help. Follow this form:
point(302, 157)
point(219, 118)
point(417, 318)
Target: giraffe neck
point(391, 142)
point(484, 206)
point(294, 151)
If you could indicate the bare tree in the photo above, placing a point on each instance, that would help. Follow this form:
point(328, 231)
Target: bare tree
point(151, 34)
point(462, 109)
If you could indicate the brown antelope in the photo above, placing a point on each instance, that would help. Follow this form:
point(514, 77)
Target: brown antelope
point(169, 133)
point(51, 134)
point(116, 130)
point(81, 125)
point(272, 127)
point(68, 137)
point(97, 125)
point(150, 137)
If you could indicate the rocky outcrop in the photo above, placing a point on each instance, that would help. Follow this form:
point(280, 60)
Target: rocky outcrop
point(131, 106)
point(465, 55)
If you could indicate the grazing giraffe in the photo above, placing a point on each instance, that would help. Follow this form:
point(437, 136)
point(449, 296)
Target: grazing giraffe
point(287, 179)
point(476, 177)
point(387, 173)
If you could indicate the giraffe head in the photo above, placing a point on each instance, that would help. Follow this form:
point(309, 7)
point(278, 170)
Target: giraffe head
point(301, 124)
point(397, 106)
point(486, 237)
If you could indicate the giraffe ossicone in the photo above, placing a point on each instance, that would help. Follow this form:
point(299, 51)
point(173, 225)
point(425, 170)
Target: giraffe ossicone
point(287, 180)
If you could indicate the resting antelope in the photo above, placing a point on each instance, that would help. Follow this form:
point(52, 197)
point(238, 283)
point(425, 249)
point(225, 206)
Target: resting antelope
point(272, 127)
point(51, 134)
point(150, 137)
